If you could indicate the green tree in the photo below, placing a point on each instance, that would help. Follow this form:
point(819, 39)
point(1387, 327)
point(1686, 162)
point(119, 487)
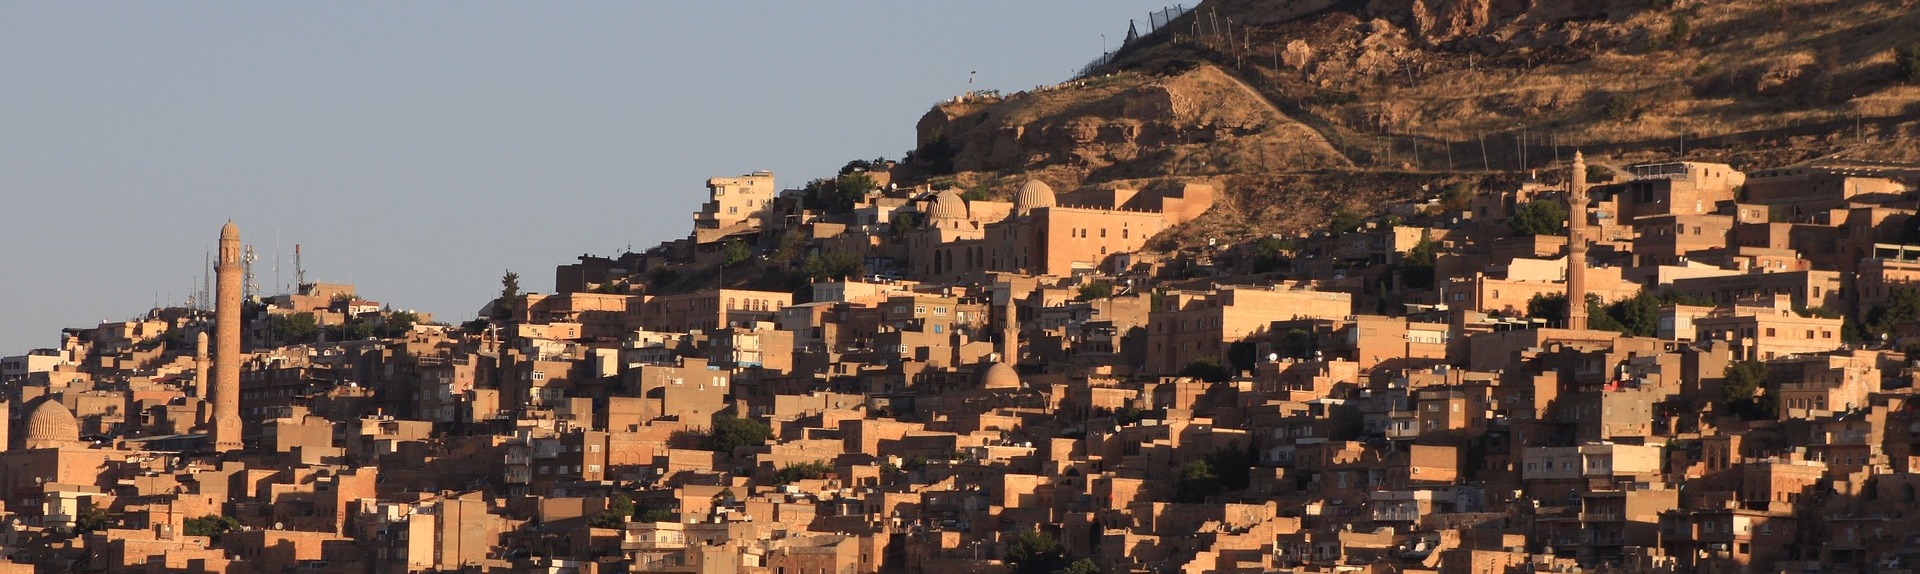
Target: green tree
point(1539, 217)
point(290, 328)
point(92, 519)
point(814, 194)
point(1101, 289)
point(657, 515)
point(1620, 106)
point(1297, 344)
point(1638, 315)
point(1741, 383)
point(210, 525)
point(1345, 220)
point(661, 277)
point(1082, 566)
point(1908, 61)
point(801, 471)
point(396, 323)
point(1902, 306)
point(1197, 482)
point(938, 154)
point(509, 290)
point(1553, 309)
point(1206, 369)
point(733, 253)
point(833, 265)
point(1457, 196)
point(1597, 172)
point(1416, 268)
point(903, 222)
point(1035, 552)
point(730, 432)
point(1233, 467)
point(850, 188)
point(1270, 253)
point(975, 193)
point(619, 508)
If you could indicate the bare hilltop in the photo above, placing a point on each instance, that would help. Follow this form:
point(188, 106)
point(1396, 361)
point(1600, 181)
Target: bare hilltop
point(1301, 108)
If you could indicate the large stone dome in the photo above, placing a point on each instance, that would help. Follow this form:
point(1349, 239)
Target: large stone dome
point(1034, 194)
point(947, 206)
point(50, 425)
point(999, 375)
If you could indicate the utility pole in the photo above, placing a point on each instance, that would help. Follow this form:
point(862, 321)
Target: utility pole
point(299, 271)
point(1485, 164)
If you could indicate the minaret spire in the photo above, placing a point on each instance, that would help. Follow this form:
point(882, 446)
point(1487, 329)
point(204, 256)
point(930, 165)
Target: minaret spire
point(226, 341)
point(1577, 244)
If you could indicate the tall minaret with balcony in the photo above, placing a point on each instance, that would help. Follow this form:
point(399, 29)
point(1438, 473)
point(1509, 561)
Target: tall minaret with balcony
point(1577, 245)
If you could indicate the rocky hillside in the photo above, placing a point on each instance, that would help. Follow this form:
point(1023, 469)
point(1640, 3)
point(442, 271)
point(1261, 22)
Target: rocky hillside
point(1277, 98)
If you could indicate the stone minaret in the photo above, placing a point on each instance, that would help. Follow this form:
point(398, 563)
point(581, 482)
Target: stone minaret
point(1577, 245)
point(226, 325)
point(200, 366)
point(1010, 333)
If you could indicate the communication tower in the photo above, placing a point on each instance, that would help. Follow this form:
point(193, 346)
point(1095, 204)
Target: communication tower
point(252, 288)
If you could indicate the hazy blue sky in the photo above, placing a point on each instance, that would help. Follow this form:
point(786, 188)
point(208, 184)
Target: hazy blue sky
point(420, 149)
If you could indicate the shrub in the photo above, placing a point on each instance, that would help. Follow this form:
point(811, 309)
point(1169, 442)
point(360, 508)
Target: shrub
point(1197, 482)
point(734, 253)
point(1539, 217)
point(1599, 173)
point(1345, 220)
point(1908, 61)
point(1619, 106)
point(1269, 253)
point(210, 525)
point(615, 516)
point(852, 187)
point(833, 265)
point(1035, 552)
point(729, 433)
point(801, 471)
point(1742, 380)
point(293, 327)
point(1096, 290)
point(1206, 370)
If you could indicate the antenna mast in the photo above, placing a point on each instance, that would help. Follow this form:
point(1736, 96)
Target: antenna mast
point(299, 272)
point(252, 288)
point(206, 282)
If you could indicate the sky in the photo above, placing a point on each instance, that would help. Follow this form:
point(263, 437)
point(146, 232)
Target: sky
point(421, 149)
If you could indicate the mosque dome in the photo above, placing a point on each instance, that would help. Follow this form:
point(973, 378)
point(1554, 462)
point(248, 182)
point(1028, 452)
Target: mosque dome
point(999, 375)
point(947, 205)
point(1034, 194)
point(50, 424)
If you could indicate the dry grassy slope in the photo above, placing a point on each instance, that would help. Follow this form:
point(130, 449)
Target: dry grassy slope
point(1754, 81)
point(1299, 108)
point(1195, 122)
